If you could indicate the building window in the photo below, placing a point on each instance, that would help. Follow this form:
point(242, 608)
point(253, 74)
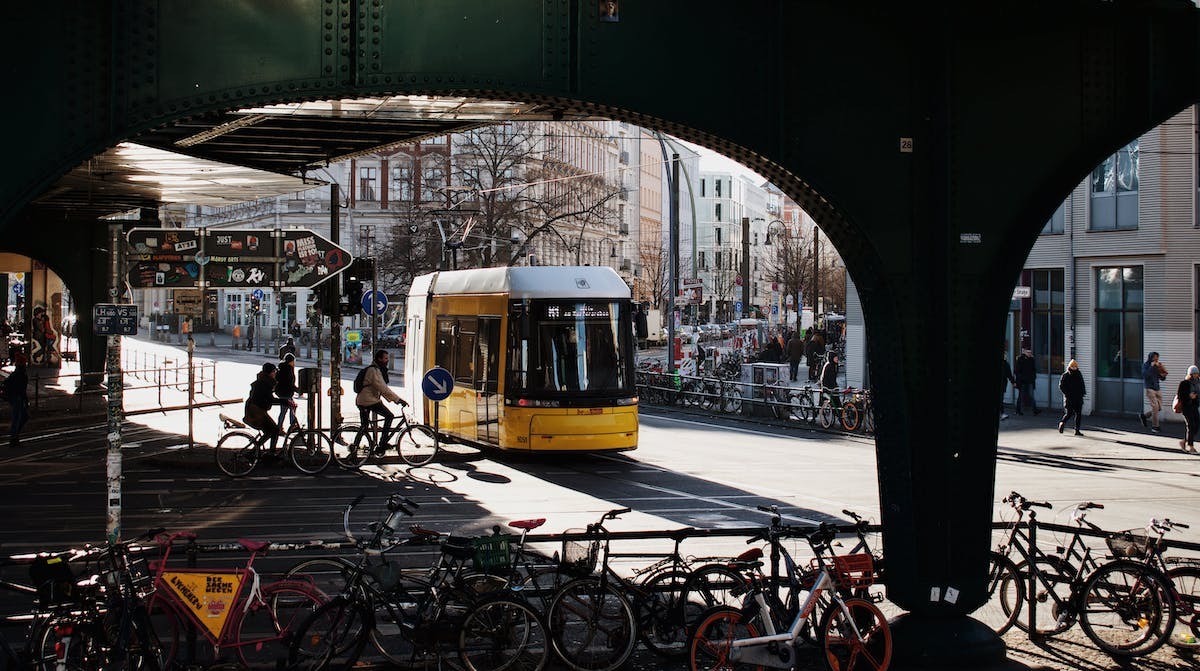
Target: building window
point(1119, 322)
point(433, 178)
point(702, 185)
point(368, 182)
point(1046, 331)
point(1055, 224)
point(400, 181)
point(717, 210)
point(717, 188)
point(703, 265)
point(718, 236)
point(1114, 191)
point(717, 259)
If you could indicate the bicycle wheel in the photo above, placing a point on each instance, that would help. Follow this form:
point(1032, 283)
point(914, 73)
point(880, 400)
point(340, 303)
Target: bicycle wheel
point(331, 637)
point(237, 453)
point(1052, 598)
point(309, 451)
point(805, 410)
point(849, 416)
point(266, 628)
point(351, 450)
point(707, 587)
point(1186, 581)
point(825, 415)
point(64, 643)
point(592, 626)
point(503, 633)
point(1126, 609)
point(418, 444)
point(731, 400)
point(659, 610)
point(1006, 595)
point(868, 420)
point(328, 575)
point(856, 637)
point(711, 646)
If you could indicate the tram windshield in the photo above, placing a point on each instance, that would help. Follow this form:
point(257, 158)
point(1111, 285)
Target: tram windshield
point(577, 346)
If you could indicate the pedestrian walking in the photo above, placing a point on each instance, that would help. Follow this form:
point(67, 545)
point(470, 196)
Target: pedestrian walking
point(1153, 372)
point(1008, 379)
point(1026, 374)
point(813, 352)
point(829, 381)
point(1073, 389)
point(17, 395)
point(795, 352)
point(285, 388)
point(1189, 404)
point(288, 347)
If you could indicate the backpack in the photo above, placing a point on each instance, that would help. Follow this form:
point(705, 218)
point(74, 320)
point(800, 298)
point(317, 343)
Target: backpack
point(360, 380)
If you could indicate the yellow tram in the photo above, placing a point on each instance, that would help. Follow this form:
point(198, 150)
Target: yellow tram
point(542, 356)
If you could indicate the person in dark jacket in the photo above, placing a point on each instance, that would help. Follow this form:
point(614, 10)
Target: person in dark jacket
point(1189, 398)
point(795, 352)
point(813, 352)
point(1026, 375)
point(17, 395)
point(259, 402)
point(1073, 389)
point(288, 347)
point(829, 381)
point(1153, 373)
point(285, 388)
point(773, 353)
point(1008, 379)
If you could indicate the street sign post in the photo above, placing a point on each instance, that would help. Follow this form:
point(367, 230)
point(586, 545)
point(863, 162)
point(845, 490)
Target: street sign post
point(109, 319)
point(374, 302)
point(181, 258)
point(436, 384)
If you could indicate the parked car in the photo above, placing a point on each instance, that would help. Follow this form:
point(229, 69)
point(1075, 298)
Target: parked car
point(392, 336)
point(710, 332)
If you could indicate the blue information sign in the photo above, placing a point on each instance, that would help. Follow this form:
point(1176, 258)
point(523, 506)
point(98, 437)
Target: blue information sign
point(112, 319)
point(258, 294)
point(737, 306)
point(374, 302)
point(437, 383)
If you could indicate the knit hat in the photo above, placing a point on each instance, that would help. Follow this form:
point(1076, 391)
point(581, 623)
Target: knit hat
point(1192, 370)
point(1072, 365)
point(268, 367)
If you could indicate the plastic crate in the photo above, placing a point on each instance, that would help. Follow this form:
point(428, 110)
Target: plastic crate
point(492, 554)
point(1133, 544)
point(854, 571)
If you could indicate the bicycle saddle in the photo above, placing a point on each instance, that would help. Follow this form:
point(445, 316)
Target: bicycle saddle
point(253, 546)
point(528, 525)
point(419, 530)
point(753, 554)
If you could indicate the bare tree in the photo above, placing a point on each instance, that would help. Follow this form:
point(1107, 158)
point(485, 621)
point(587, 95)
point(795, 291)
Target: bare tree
point(652, 284)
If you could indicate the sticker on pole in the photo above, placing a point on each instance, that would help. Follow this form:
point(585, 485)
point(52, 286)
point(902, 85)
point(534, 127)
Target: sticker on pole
point(437, 383)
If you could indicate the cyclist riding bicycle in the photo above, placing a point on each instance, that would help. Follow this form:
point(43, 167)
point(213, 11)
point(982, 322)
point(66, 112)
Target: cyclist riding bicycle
point(370, 398)
point(259, 403)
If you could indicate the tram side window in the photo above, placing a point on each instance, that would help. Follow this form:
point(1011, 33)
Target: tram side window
point(464, 359)
point(443, 353)
point(488, 338)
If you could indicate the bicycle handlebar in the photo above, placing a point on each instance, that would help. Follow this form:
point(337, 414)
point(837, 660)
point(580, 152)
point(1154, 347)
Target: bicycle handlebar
point(615, 513)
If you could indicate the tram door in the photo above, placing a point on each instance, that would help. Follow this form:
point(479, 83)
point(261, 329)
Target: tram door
point(487, 377)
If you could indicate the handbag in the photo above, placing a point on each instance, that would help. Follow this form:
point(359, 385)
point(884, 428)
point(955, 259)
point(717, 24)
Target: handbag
point(1177, 405)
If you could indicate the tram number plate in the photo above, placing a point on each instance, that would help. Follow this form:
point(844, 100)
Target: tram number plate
point(590, 411)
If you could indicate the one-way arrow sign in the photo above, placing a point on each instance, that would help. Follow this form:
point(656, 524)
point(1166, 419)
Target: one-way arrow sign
point(437, 383)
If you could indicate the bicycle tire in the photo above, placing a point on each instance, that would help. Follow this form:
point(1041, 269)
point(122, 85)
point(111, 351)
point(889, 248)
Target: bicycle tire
point(806, 411)
point(849, 416)
point(707, 587)
point(1186, 584)
point(592, 625)
point(1006, 595)
point(731, 401)
point(868, 421)
point(331, 637)
point(712, 642)
point(83, 652)
point(1054, 583)
point(265, 629)
point(328, 575)
point(237, 453)
point(310, 451)
point(855, 636)
point(501, 633)
point(418, 444)
point(658, 611)
point(825, 415)
point(1126, 609)
point(350, 450)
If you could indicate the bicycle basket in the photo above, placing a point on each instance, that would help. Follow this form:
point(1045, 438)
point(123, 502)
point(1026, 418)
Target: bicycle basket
point(54, 580)
point(1133, 544)
point(140, 574)
point(458, 547)
point(579, 557)
point(491, 553)
point(854, 571)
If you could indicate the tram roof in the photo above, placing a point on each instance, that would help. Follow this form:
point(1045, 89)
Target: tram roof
point(527, 282)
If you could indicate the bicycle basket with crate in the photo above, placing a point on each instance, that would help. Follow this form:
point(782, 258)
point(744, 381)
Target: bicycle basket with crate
point(856, 571)
point(492, 554)
point(1133, 544)
point(579, 557)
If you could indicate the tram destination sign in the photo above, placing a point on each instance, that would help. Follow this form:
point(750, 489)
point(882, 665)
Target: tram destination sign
point(114, 319)
point(184, 258)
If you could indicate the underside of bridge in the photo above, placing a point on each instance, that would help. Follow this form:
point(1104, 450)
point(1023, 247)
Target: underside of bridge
point(885, 121)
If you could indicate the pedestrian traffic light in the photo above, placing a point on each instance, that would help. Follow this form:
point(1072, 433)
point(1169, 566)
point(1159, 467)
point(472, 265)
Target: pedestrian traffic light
point(354, 296)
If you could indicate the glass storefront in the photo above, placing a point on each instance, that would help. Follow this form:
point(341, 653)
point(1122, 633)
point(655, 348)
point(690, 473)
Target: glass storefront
point(1118, 349)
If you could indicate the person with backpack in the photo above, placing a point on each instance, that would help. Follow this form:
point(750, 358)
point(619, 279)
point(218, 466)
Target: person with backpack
point(371, 385)
point(285, 388)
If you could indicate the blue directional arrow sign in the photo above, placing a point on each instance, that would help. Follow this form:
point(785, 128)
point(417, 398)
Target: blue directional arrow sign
point(258, 294)
point(437, 383)
point(374, 302)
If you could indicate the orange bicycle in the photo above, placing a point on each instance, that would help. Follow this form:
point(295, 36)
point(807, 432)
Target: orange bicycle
point(232, 609)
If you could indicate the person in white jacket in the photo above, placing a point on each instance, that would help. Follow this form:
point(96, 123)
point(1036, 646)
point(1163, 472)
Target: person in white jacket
point(370, 399)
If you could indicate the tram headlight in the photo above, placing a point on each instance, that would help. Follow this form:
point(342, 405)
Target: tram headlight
point(632, 400)
point(534, 403)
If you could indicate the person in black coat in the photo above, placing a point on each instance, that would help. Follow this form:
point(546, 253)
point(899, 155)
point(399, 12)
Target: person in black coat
point(1189, 399)
point(17, 394)
point(1008, 379)
point(259, 402)
point(1073, 389)
point(1026, 374)
point(285, 387)
point(829, 381)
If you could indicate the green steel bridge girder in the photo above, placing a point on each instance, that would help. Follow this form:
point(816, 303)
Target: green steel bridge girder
point(822, 97)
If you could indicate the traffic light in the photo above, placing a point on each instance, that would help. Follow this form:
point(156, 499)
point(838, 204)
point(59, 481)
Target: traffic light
point(255, 306)
point(354, 296)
